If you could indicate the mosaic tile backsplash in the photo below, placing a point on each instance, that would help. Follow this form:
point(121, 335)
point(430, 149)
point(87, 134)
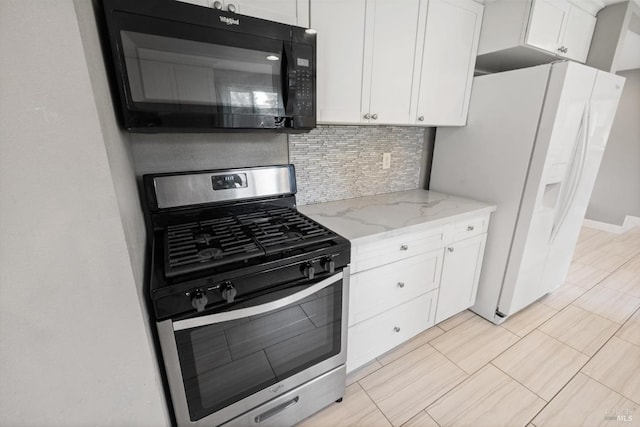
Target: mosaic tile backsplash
point(343, 162)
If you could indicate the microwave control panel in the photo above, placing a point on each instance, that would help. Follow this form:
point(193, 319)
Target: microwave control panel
point(305, 80)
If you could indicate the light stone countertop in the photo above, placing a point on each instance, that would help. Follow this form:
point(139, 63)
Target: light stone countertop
point(384, 215)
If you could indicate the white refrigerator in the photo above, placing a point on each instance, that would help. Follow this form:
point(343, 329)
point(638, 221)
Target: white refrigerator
point(532, 145)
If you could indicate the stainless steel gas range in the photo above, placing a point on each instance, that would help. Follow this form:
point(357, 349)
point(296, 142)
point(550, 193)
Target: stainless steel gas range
point(250, 297)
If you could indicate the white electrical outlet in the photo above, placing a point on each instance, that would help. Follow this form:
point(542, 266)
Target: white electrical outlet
point(386, 160)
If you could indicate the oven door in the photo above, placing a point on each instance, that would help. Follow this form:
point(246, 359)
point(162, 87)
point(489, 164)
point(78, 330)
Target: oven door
point(178, 76)
point(224, 364)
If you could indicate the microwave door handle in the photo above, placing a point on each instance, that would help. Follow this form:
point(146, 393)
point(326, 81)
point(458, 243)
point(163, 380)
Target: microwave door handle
point(285, 77)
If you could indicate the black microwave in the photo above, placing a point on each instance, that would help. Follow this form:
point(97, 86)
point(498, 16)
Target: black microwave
point(180, 67)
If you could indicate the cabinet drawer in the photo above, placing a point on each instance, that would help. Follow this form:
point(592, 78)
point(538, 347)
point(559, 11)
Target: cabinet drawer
point(373, 291)
point(461, 230)
point(370, 255)
point(373, 337)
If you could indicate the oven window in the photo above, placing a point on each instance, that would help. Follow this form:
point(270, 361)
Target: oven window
point(188, 73)
point(225, 362)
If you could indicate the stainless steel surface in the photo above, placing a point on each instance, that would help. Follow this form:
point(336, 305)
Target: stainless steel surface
point(367, 116)
point(257, 310)
point(312, 396)
point(332, 367)
point(193, 189)
point(275, 411)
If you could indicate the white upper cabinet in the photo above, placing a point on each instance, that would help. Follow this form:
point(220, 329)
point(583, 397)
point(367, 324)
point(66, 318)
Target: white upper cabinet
point(444, 70)
point(391, 29)
point(522, 33)
point(340, 47)
point(547, 24)
point(395, 61)
point(578, 34)
point(292, 12)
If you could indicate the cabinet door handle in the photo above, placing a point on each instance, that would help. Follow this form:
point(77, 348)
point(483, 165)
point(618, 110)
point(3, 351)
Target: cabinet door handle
point(396, 329)
point(367, 116)
point(421, 119)
point(470, 228)
point(404, 248)
point(401, 284)
point(231, 8)
point(374, 116)
point(450, 249)
point(217, 5)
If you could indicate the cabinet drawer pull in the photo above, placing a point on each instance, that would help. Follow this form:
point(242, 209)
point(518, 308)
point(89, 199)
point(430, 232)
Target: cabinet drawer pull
point(217, 5)
point(374, 116)
point(404, 248)
point(450, 249)
point(396, 329)
point(367, 116)
point(421, 119)
point(231, 8)
point(401, 284)
point(470, 228)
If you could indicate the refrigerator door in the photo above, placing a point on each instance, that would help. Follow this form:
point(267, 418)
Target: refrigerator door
point(489, 159)
point(558, 151)
point(600, 115)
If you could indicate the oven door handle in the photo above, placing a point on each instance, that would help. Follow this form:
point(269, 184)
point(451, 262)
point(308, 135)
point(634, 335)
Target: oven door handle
point(258, 309)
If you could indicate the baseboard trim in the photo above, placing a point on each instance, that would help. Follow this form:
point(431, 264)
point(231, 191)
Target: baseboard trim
point(629, 223)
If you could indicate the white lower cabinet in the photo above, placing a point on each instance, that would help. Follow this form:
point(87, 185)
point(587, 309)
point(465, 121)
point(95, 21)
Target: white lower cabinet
point(372, 337)
point(405, 284)
point(459, 280)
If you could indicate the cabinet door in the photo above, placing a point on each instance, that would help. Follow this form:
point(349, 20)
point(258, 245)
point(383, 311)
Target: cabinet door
point(460, 275)
point(449, 55)
point(578, 34)
point(391, 33)
point(292, 12)
point(340, 43)
point(547, 24)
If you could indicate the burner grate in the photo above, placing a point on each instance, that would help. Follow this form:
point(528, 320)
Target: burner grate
point(202, 244)
point(214, 242)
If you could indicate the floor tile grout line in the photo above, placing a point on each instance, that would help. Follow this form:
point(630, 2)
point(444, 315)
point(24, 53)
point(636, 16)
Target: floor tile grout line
point(376, 404)
point(589, 360)
point(518, 381)
point(382, 366)
point(613, 390)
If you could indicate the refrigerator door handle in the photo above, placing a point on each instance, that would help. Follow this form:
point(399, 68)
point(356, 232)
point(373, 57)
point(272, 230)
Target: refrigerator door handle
point(577, 177)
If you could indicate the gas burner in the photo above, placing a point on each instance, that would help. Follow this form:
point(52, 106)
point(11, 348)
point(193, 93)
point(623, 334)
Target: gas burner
point(210, 253)
point(203, 238)
point(293, 235)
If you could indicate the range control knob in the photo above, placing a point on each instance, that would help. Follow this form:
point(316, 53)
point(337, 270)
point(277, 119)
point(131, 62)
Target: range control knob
point(228, 291)
point(309, 271)
point(199, 299)
point(329, 264)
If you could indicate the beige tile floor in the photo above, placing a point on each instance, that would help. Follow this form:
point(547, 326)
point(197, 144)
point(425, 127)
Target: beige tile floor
point(570, 359)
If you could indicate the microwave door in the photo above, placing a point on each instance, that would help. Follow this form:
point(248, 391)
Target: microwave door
point(211, 78)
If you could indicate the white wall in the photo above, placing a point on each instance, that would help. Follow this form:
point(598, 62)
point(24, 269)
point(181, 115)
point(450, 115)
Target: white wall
point(73, 343)
point(616, 193)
